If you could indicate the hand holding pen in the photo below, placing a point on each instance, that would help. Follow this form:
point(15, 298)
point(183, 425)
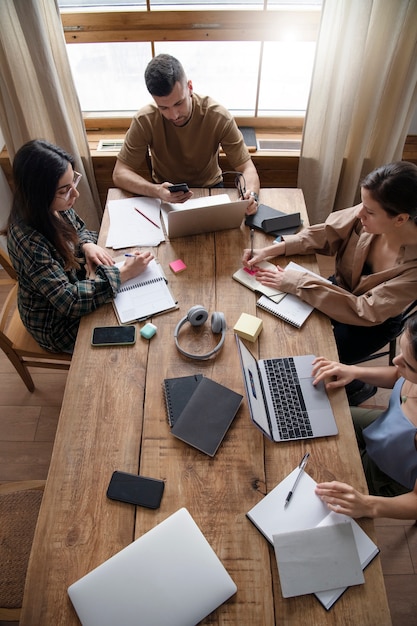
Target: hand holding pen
point(301, 467)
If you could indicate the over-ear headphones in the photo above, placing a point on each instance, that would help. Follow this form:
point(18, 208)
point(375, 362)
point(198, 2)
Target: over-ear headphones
point(197, 315)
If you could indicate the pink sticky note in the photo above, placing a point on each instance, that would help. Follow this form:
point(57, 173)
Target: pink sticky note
point(177, 266)
point(251, 272)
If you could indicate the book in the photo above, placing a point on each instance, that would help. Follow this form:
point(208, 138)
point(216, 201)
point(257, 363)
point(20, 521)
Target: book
point(207, 416)
point(146, 295)
point(177, 392)
point(248, 279)
point(273, 222)
point(290, 308)
point(305, 511)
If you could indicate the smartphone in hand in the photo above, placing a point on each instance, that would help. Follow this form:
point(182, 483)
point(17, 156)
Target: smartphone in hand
point(179, 187)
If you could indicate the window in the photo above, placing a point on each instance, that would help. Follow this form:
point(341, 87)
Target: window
point(253, 56)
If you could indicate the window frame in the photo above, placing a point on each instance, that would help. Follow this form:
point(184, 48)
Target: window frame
point(98, 26)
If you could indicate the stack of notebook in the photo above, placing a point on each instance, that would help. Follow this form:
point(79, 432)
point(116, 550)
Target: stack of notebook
point(200, 410)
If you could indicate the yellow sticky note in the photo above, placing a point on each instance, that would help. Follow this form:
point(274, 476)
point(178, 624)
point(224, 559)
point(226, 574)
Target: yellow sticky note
point(248, 326)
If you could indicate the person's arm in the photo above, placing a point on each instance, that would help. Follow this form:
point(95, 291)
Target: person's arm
point(126, 178)
point(344, 499)
point(261, 254)
point(336, 374)
point(252, 184)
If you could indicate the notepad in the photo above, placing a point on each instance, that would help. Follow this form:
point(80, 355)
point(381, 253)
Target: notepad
point(146, 295)
point(289, 307)
point(305, 511)
point(207, 416)
point(249, 280)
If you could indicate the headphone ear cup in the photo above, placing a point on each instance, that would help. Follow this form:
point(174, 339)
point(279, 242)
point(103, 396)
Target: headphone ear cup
point(218, 322)
point(197, 315)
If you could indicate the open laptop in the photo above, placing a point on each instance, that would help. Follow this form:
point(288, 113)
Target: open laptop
point(202, 215)
point(169, 576)
point(272, 405)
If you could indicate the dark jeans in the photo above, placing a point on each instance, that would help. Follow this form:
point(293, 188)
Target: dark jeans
point(357, 342)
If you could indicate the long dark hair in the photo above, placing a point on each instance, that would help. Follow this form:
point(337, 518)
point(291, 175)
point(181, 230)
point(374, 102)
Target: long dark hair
point(394, 187)
point(37, 168)
point(410, 327)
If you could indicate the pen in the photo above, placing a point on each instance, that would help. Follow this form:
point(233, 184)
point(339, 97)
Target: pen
point(146, 217)
point(127, 254)
point(252, 232)
point(302, 465)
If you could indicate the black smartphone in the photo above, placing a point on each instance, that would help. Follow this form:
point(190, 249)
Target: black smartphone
point(179, 187)
point(113, 336)
point(138, 490)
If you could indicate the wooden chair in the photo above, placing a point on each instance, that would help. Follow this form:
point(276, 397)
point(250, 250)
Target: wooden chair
point(19, 509)
point(7, 266)
point(18, 345)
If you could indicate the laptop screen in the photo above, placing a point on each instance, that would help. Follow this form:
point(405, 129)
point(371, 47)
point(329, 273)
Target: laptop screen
point(254, 391)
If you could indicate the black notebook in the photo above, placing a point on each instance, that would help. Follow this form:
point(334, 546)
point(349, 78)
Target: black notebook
point(177, 393)
point(273, 222)
point(207, 416)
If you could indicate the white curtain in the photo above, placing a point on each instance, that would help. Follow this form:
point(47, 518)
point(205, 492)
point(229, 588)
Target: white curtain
point(38, 99)
point(362, 99)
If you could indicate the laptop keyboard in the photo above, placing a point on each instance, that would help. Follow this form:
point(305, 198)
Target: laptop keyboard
point(290, 410)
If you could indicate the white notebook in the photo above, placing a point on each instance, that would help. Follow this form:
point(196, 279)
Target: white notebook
point(306, 511)
point(146, 295)
point(290, 308)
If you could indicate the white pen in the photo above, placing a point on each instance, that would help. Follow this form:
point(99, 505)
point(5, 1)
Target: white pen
point(302, 465)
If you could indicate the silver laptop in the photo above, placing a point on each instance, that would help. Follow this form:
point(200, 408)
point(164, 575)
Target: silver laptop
point(168, 577)
point(202, 215)
point(283, 403)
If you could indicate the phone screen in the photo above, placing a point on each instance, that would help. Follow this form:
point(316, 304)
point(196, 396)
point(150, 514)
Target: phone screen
point(138, 490)
point(113, 335)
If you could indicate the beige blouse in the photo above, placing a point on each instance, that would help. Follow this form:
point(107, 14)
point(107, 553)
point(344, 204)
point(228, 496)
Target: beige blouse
point(360, 299)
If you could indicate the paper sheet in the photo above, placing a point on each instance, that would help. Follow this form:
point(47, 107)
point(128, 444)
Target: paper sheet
point(128, 228)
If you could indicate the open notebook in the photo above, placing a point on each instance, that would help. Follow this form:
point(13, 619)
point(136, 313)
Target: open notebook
point(146, 295)
point(306, 511)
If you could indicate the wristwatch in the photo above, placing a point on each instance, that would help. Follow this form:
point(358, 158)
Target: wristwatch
point(254, 196)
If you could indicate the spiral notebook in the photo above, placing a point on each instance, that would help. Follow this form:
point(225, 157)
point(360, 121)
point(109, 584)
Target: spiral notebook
point(177, 392)
point(290, 308)
point(146, 295)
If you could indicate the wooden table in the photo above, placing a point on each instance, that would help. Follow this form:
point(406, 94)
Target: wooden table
point(113, 417)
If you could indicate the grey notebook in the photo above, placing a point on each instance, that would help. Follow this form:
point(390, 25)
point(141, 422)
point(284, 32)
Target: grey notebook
point(169, 576)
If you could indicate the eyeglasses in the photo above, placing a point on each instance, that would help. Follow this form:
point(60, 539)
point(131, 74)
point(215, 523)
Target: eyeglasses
point(66, 190)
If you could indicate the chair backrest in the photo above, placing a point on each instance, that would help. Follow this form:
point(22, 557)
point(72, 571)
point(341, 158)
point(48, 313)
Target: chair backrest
point(6, 264)
point(20, 347)
point(19, 509)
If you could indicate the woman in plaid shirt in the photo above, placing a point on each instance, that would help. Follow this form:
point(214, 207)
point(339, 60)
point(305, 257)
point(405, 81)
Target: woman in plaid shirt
point(62, 273)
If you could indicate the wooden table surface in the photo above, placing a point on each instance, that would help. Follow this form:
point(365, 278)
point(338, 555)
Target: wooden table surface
point(113, 417)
